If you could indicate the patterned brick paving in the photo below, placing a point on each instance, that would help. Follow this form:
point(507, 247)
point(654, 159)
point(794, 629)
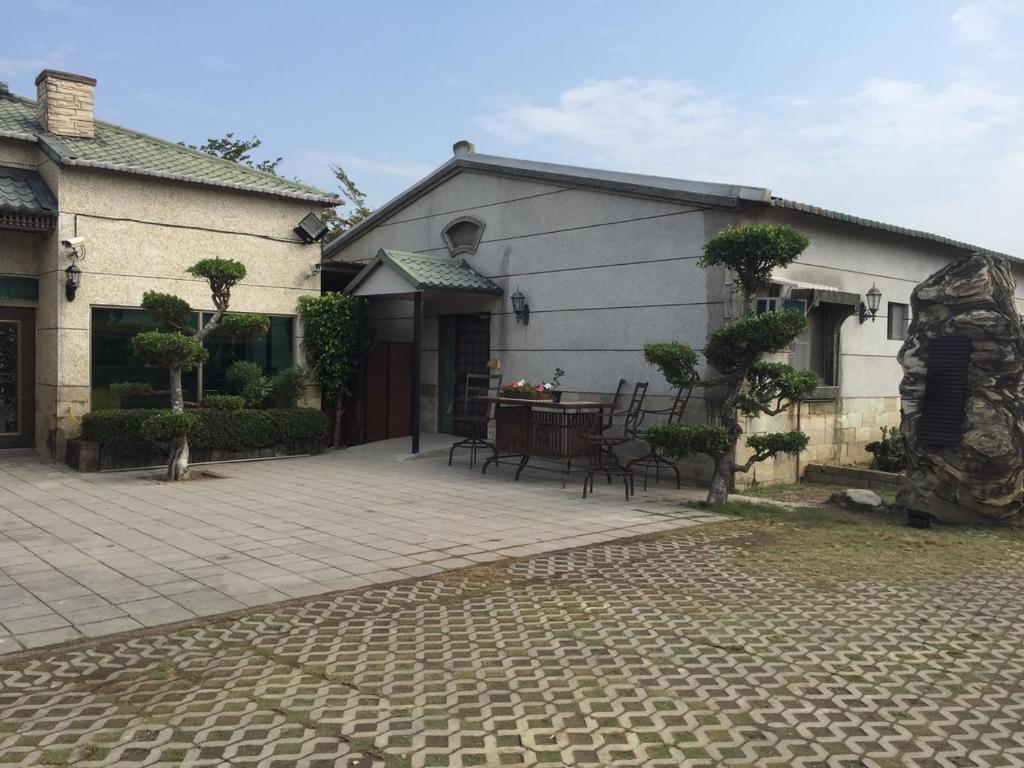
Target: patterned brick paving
point(708, 646)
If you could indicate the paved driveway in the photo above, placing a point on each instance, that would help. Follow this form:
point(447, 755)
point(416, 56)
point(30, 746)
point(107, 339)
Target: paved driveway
point(736, 644)
point(89, 555)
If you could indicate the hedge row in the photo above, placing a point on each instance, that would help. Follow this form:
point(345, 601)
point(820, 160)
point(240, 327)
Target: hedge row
point(120, 430)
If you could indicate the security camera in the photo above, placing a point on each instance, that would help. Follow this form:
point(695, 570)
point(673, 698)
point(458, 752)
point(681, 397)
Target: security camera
point(314, 268)
point(72, 242)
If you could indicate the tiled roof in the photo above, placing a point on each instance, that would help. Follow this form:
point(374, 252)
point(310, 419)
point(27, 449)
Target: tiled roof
point(657, 187)
point(24, 192)
point(425, 272)
point(120, 149)
point(793, 205)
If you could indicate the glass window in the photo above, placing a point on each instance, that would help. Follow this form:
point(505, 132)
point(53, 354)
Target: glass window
point(113, 361)
point(273, 351)
point(899, 320)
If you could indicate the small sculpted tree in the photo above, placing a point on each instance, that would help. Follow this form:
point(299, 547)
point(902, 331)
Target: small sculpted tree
point(179, 347)
point(747, 384)
point(331, 339)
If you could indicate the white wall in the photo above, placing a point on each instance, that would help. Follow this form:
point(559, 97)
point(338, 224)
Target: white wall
point(603, 275)
point(854, 258)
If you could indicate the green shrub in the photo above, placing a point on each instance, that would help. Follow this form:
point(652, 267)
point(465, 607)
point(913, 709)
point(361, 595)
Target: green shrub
point(677, 363)
point(679, 441)
point(245, 378)
point(167, 426)
point(890, 453)
point(286, 388)
point(224, 402)
point(165, 349)
point(122, 431)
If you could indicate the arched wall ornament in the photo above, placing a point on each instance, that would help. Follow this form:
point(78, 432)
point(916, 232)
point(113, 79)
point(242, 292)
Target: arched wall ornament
point(462, 235)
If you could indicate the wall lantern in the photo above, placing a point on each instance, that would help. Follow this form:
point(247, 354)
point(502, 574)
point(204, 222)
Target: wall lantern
point(520, 307)
point(870, 309)
point(72, 279)
point(311, 229)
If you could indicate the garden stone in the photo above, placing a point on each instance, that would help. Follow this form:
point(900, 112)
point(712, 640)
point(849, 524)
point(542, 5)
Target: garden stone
point(982, 475)
point(859, 499)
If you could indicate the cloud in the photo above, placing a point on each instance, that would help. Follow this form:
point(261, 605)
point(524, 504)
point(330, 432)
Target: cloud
point(878, 150)
point(981, 23)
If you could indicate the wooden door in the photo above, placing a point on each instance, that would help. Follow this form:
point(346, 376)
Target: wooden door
point(17, 377)
point(388, 368)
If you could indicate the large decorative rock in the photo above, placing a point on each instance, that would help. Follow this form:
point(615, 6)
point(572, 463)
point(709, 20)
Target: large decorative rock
point(859, 500)
point(965, 439)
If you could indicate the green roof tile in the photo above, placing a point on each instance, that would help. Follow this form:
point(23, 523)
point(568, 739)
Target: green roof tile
point(120, 149)
point(24, 191)
point(425, 272)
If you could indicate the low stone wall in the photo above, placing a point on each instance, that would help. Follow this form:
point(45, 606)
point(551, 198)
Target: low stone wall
point(851, 477)
point(838, 431)
point(88, 456)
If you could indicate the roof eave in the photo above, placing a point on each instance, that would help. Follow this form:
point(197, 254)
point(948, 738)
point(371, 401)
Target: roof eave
point(82, 163)
point(812, 210)
point(462, 162)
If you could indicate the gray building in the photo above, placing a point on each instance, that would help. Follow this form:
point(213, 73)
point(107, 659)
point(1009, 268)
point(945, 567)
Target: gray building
point(607, 262)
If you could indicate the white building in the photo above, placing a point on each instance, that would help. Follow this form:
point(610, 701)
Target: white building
point(609, 261)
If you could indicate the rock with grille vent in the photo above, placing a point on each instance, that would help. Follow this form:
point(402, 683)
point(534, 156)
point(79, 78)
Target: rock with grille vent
point(963, 395)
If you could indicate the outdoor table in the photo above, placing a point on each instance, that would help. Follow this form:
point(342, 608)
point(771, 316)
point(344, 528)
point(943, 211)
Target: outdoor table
point(544, 429)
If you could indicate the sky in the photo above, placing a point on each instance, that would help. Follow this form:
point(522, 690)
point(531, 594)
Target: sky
point(907, 111)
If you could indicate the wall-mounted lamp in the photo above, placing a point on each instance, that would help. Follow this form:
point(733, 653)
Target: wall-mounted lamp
point(870, 309)
point(520, 307)
point(73, 275)
point(311, 229)
point(72, 279)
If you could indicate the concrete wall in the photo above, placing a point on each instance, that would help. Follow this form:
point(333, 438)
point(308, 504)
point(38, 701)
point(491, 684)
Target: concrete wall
point(30, 254)
point(603, 274)
point(140, 234)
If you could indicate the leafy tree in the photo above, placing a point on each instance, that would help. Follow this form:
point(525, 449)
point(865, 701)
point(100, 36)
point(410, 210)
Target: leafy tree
point(331, 330)
point(238, 151)
point(355, 211)
point(178, 347)
point(749, 385)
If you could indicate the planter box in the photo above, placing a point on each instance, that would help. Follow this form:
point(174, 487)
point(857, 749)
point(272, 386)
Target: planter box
point(851, 477)
point(86, 456)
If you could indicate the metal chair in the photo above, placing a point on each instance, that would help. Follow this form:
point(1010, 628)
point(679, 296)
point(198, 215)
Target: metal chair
point(603, 459)
point(476, 414)
point(654, 459)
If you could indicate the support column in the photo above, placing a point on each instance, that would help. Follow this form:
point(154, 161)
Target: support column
point(361, 372)
point(417, 344)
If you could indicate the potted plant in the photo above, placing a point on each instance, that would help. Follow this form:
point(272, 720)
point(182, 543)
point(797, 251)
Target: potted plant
point(552, 386)
point(523, 390)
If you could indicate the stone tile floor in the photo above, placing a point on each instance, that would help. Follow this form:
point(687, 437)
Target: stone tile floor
point(90, 555)
point(714, 645)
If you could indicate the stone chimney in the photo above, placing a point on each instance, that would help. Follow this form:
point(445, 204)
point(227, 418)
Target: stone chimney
point(64, 103)
point(463, 147)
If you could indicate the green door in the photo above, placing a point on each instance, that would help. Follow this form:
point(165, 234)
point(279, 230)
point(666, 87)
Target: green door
point(17, 377)
point(464, 347)
point(446, 373)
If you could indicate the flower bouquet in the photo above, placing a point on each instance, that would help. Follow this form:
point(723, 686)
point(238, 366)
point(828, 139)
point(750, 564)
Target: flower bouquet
point(524, 390)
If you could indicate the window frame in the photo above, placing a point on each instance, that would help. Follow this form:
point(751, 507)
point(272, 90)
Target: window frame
point(198, 313)
point(905, 324)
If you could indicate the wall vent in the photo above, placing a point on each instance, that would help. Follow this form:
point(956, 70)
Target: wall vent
point(463, 235)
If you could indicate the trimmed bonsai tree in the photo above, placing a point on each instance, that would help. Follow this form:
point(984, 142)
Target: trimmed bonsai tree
point(332, 347)
point(179, 347)
point(746, 383)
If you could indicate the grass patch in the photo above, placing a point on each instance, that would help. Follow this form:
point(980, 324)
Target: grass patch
point(829, 544)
